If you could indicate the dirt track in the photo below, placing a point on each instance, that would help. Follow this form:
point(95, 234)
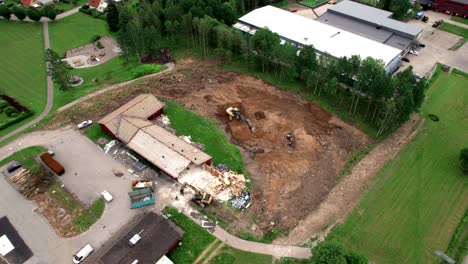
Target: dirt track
point(288, 183)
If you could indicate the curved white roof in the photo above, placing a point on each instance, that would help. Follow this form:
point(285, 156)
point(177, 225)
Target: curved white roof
point(325, 38)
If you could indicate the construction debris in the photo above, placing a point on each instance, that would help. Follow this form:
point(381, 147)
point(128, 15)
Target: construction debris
point(226, 184)
point(29, 184)
point(222, 167)
point(242, 202)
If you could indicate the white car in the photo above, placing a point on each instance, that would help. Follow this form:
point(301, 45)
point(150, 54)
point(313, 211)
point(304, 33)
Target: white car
point(84, 124)
point(414, 52)
point(107, 196)
point(82, 254)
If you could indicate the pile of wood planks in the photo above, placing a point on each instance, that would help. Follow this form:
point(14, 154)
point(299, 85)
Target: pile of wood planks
point(29, 184)
point(230, 183)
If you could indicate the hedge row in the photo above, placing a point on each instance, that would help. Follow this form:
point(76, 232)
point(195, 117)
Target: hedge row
point(15, 104)
point(15, 119)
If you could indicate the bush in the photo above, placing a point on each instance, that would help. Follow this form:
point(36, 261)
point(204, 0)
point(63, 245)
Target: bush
point(19, 12)
point(99, 45)
point(33, 14)
point(16, 119)
point(5, 12)
point(464, 160)
point(333, 252)
point(3, 104)
point(49, 12)
point(95, 38)
point(10, 110)
point(145, 69)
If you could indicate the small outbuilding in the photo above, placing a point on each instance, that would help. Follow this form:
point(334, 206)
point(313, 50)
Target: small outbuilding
point(149, 241)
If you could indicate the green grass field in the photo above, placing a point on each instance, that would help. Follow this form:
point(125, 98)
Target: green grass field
point(67, 6)
point(419, 197)
point(23, 70)
point(26, 158)
point(228, 255)
point(205, 131)
point(313, 3)
point(459, 19)
point(462, 32)
point(74, 31)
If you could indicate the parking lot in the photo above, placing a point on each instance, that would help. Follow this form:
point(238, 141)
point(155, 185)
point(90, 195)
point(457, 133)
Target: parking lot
point(88, 172)
point(437, 43)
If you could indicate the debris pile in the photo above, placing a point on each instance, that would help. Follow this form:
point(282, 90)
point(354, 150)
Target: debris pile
point(205, 222)
point(242, 201)
point(29, 184)
point(226, 185)
point(222, 167)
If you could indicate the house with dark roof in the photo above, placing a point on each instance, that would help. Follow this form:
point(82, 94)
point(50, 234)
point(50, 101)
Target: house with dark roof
point(372, 23)
point(99, 5)
point(157, 237)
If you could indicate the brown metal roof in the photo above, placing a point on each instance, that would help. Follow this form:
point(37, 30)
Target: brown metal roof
point(177, 144)
point(129, 126)
point(142, 106)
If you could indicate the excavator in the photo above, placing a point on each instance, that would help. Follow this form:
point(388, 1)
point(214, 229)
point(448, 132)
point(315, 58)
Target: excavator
point(202, 198)
point(234, 112)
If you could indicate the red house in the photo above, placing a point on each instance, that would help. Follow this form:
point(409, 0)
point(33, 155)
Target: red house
point(454, 7)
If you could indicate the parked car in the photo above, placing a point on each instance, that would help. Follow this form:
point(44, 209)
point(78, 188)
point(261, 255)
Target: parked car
point(107, 196)
point(405, 59)
point(425, 19)
point(82, 254)
point(84, 124)
point(418, 76)
point(13, 167)
point(419, 15)
point(416, 53)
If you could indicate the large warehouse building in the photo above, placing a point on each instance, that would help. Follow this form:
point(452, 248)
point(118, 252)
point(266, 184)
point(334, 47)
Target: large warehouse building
point(326, 38)
point(373, 23)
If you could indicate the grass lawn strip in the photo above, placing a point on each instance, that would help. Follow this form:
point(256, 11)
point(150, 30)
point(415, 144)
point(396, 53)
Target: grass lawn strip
point(194, 240)
point(313, 3)
point(95, 132)
point(454, 29)
point(23, 67)
point(205, 131)
point(75, 31)
point(26, 158)
point(460, 20)
point(113, 71)
point(229, 255)
point(419, 197)
point(83, 218)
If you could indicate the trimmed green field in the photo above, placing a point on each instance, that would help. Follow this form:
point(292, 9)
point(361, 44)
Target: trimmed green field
point(67, 6)
point(75, 31)
point(26, 158)
point(23, 70)
point(459, 19)
point(313, 3)
point(419, 197)
point(460, 31)
point(229, 255)
point(205, 131)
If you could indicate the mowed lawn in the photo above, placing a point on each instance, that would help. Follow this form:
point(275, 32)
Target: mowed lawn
point(74, 31)
point(23, 70)
point(418, 198)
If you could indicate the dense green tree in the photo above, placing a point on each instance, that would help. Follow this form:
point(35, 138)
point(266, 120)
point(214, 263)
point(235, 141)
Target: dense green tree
point(306, 61)
point(33, 14)
point(49, 12)
point(227, 14)
point(263, 43)
point(399, 8)
point(5, 12)
point(58, 69)
point(113, 17)
point(329, 253)
point(464, 160)
point(356, 258)
point(19, 12)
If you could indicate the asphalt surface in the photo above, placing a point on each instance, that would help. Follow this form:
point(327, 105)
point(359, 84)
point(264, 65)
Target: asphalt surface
point(21, 252)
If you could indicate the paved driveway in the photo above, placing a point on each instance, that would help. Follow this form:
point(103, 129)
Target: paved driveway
point(93, 173)
point(437, 43)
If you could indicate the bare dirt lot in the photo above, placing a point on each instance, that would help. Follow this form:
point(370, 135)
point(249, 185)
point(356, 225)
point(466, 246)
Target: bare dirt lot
point(287, 183)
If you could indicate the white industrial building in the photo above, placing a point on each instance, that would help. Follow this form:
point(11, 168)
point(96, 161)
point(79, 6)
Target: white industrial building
point(326, 39)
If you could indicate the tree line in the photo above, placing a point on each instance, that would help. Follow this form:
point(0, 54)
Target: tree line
point(31, 12)
point(360, 84)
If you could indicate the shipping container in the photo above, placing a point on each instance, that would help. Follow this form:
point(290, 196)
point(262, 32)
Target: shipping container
point(54, 165)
